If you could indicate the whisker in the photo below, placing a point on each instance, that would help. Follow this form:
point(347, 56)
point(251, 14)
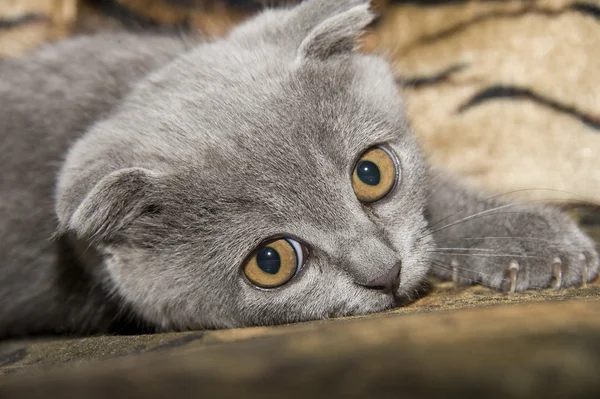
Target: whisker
point(489, 211)
point(470, 280)
point(477, 216)
point(582, 200)
point(560, 244)
point(470, 216)
point(495, 237)
point(443, 265)
point(490, 255)
point(461, 249)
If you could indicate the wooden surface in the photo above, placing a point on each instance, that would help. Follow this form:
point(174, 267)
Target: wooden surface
point(543, 349)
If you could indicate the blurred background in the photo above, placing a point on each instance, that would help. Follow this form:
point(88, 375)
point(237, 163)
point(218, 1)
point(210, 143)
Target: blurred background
point(505, 93)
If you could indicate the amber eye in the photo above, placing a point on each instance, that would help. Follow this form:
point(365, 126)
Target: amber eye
point(375, 174)
point(275, 263)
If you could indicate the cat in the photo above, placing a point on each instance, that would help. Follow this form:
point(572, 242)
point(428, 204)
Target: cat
point(266, 177)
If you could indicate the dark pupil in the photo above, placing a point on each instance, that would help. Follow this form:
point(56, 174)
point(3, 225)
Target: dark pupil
point(268, 260)
point(368, 173)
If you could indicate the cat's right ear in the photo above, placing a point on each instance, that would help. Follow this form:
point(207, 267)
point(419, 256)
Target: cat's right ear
point(114, 202)
point(326, 28)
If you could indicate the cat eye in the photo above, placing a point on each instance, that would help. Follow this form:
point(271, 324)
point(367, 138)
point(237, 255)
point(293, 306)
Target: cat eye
point(275, 263)
point(375, 174)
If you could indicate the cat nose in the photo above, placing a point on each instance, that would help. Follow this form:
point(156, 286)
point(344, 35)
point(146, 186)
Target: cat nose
point(387, 281)
point(372, 261)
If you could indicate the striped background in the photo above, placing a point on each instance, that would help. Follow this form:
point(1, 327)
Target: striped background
point(505, 93)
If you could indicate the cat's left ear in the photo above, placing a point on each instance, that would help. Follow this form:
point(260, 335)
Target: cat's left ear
point(113, 203)
point(336, 34)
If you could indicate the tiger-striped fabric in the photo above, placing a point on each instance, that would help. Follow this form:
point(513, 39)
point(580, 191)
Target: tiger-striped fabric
point(505, 93)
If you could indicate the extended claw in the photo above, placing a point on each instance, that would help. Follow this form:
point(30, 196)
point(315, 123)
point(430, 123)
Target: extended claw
point(583, 264)
point(454, 265)
point(513, 270)
point(557, 273)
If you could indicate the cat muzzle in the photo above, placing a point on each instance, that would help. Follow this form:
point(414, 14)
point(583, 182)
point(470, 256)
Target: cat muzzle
point(387, 282)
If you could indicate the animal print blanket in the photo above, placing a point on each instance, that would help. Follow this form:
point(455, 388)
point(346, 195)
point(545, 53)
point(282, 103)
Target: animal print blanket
point(505, 93)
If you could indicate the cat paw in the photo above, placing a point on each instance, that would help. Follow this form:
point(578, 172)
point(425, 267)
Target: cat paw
point(587, 270)
point(527, 248)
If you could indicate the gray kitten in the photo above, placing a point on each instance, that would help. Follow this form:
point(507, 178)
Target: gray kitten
point(264, 178)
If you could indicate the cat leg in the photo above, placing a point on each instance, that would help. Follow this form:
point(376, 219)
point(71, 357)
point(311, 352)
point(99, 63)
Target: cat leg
point(503, 245)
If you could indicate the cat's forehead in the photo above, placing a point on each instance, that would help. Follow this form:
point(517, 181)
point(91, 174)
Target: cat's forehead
point(308, 123)
point(280, 137)
point(342, 104)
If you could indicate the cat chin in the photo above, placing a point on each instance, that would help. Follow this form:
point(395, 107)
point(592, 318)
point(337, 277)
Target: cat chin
point(366, 309)
point(378, 303)
point(349, 299)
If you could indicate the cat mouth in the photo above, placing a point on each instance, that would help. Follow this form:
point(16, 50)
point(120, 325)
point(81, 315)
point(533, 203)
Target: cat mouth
point(399, 297)
point(392, 292)
point(400, 301)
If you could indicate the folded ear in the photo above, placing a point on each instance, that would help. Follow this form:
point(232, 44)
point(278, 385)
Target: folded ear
point(115, 201)
point(336, 34)
point(318, 27)
point(310, 13)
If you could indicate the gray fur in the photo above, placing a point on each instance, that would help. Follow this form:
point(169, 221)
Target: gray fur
point(178, 161)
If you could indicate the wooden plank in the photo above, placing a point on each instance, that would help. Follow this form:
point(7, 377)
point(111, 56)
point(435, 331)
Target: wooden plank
point(527, 350)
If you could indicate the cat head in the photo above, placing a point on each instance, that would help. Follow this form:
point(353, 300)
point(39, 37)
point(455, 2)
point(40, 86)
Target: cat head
point(264, 178)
